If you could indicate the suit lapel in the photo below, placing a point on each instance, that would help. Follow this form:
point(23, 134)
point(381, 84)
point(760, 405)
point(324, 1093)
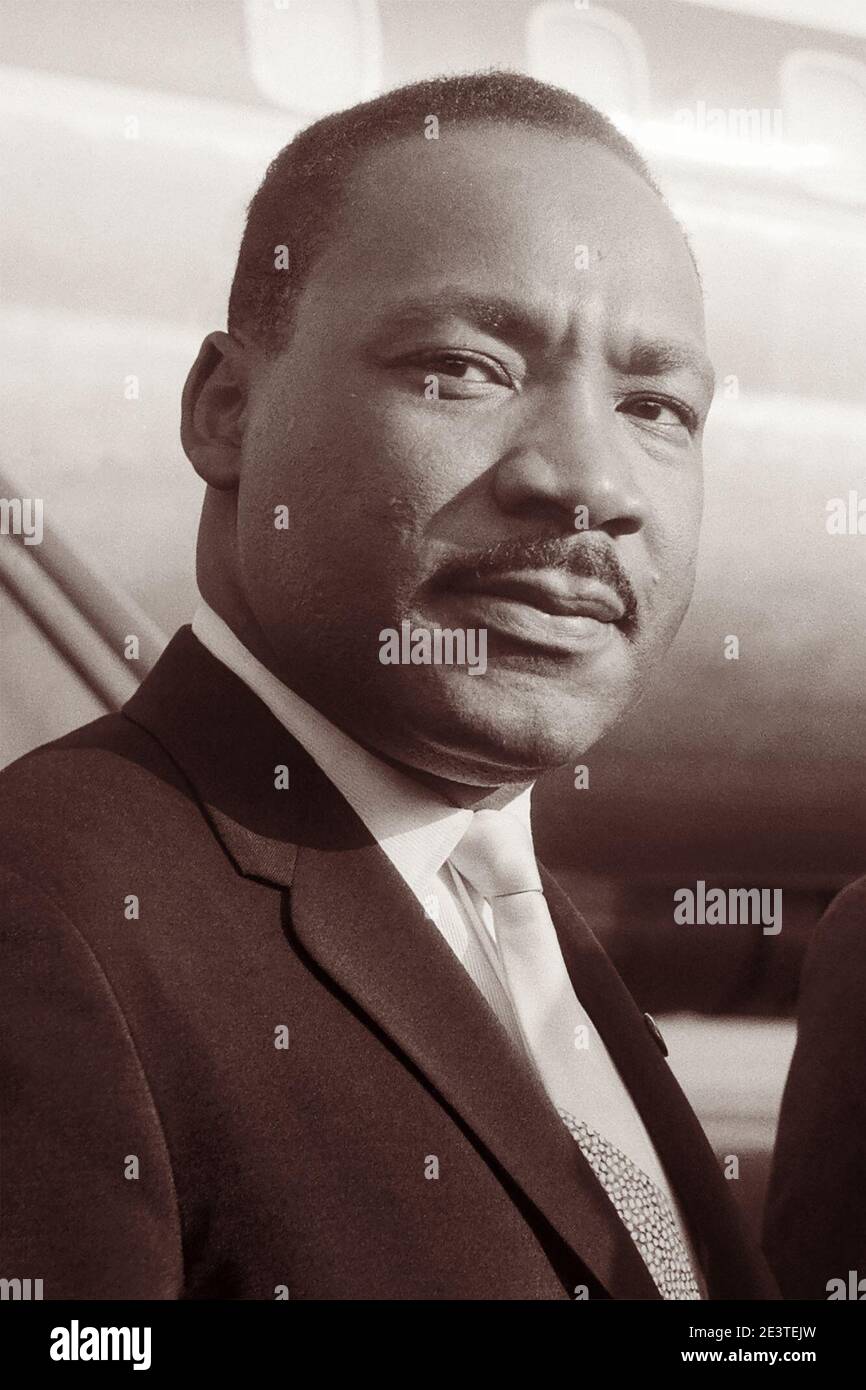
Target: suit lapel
point(717, 1227)
point(354, 915)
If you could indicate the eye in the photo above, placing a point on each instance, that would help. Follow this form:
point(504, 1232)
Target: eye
point(662, 411)
point(463, 368)
point(460, 375)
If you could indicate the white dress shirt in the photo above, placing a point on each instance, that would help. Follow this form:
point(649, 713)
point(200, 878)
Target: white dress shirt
point(417, 829)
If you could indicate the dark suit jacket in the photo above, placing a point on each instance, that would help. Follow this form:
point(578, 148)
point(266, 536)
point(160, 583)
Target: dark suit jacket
point(815, 1227)
point(258, 1166)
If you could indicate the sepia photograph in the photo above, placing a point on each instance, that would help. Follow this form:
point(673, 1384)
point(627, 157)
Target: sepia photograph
point(433, 681)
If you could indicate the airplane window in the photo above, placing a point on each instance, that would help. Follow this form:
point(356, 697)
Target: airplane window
point(824, 102)
point(314, 55)
point(591, 52)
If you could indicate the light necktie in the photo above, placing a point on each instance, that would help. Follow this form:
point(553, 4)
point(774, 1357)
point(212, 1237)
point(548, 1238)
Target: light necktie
point(496, 857)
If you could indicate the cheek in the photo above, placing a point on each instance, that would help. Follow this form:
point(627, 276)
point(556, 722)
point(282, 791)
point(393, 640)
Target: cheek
point(360, 502)
point(676, 519)
point(420, 447)
point(672, 544)
point(400, 465)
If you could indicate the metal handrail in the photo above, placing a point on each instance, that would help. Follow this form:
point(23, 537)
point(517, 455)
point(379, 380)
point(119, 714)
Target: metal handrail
point(85, 617)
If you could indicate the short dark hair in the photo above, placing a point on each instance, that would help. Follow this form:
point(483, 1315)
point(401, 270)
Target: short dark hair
point(297, 204)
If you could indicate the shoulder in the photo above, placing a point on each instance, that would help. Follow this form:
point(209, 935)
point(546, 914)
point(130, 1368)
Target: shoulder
point(100, 791)
point(840, 936)
point(833, 982)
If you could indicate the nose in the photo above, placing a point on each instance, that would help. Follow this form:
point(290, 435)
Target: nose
point(570, 453)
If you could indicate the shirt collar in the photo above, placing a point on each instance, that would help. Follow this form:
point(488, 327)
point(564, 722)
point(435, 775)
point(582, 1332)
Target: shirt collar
point(417, 828)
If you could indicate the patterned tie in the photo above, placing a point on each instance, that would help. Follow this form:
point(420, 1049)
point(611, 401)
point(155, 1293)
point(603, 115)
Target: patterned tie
point(496, 857)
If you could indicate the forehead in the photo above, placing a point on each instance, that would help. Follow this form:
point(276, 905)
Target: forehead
point(524, 214)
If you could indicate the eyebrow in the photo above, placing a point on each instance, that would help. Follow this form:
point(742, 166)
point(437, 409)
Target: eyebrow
point(502, 317)
point(657, 356)
point(494, 314)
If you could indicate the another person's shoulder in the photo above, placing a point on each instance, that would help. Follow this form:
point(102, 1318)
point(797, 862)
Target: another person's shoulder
point(834, 973)
point(843, 925)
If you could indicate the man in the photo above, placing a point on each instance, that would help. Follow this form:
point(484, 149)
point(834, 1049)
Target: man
point(293, 1013)
point(816, 1202)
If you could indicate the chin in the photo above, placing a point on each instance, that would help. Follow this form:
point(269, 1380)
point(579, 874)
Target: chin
point(506, 726)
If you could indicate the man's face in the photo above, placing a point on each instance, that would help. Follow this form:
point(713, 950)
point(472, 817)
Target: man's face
point(550, 495)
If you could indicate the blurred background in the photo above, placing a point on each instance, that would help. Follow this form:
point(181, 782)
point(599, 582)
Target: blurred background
point(133, 135)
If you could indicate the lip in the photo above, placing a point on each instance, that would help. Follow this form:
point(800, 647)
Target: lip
point(552, 592)
point(564, 634)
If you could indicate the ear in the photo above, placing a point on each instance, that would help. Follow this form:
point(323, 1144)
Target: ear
point(213, 410)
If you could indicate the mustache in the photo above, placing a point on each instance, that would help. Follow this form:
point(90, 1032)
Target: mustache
point(585, 558)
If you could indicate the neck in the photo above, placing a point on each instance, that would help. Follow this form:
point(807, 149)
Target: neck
point(457, 793)
point(235, 613)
